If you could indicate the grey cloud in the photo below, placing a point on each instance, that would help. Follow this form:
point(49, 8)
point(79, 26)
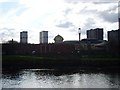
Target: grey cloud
point(65, 24)
point(119, 10)
point(105, 2)
point(113, 8)
point(5, 33)
point(86, 1)
point(90, 23)
point(101, 2)
point(118, 14)
point(109, 16)
point(7, 29)
point(86, 9)
point(51, 35)
point(72, 1)
point(77, 1)
point(67, 11)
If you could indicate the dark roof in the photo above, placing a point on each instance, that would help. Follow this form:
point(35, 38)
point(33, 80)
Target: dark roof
point(95, 41)
point(58, 36)
point(71, 42)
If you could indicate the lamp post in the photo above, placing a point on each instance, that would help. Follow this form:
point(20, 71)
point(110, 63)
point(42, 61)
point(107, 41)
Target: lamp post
point(79, 31)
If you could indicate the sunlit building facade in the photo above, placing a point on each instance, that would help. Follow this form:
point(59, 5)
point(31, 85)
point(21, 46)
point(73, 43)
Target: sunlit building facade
point(44, 37)
point(24, 37)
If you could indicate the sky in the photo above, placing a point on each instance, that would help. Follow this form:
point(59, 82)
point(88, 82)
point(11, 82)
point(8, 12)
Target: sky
point(62, 17)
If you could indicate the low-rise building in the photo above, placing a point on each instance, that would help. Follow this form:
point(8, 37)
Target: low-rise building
point(58, 39)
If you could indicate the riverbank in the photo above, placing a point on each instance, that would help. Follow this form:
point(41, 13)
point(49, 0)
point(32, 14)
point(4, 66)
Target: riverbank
point(60, 62)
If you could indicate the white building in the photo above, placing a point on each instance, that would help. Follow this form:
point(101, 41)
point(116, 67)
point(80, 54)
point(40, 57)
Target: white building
point(24, 37)
point(44, 37)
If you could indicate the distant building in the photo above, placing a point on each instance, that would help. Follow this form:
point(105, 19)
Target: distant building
point(119, 23)
point(24, 37)
point(95, 34)
point(119, 14)
point(58, 39)
point(114, 36)
point(93, 44)
point(44, 37)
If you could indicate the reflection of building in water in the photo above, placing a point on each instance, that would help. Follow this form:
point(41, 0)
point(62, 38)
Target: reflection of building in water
point(95, 34)
point(58, 39)
point(24, 37)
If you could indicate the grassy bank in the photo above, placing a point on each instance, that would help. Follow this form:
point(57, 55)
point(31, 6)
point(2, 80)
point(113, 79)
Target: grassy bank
point(59, 62)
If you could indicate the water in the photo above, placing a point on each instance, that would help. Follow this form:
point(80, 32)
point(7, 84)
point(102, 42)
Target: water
point(38, 78)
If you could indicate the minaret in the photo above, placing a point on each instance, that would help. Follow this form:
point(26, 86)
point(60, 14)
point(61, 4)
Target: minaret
point(79, 31)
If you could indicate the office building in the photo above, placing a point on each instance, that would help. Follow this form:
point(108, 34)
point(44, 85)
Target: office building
point(95, 34)
point(119, 14)
point(119, 23)
point(23, 37)
point(114, 36)
point(44, 37)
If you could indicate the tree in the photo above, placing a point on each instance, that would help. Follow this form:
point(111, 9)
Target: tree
point(11, 41)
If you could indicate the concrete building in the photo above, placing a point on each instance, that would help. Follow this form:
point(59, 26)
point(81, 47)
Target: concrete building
point(58, 39)
point(114, 36)
point(44, 37)
point(95, 34)
point(93, 44)
point(24, 37)
point(119, 14)
point(119, 23)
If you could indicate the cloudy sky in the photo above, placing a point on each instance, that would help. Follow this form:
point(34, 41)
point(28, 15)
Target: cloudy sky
point(62, 17)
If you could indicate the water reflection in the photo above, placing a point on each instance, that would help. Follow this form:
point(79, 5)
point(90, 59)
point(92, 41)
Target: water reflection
point(38, 78)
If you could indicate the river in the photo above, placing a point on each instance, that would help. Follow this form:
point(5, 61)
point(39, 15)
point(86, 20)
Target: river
point(49, 78)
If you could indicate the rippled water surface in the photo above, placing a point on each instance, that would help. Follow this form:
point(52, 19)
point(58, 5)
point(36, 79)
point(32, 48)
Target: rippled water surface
point(38, 78)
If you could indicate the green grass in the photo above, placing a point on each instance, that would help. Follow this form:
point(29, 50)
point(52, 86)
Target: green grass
point(22, 61)
point(21, 57)
point(56, 58)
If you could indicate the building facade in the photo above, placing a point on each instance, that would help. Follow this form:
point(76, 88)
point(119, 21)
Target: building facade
point(113, 36)
point(95, 34)
point(119, 15)
point(119, 23)
point(24, 37)
point(44, 37)
point(58, 39)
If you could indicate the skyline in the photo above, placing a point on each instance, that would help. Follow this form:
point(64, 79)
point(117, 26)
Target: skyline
point(62, 17)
